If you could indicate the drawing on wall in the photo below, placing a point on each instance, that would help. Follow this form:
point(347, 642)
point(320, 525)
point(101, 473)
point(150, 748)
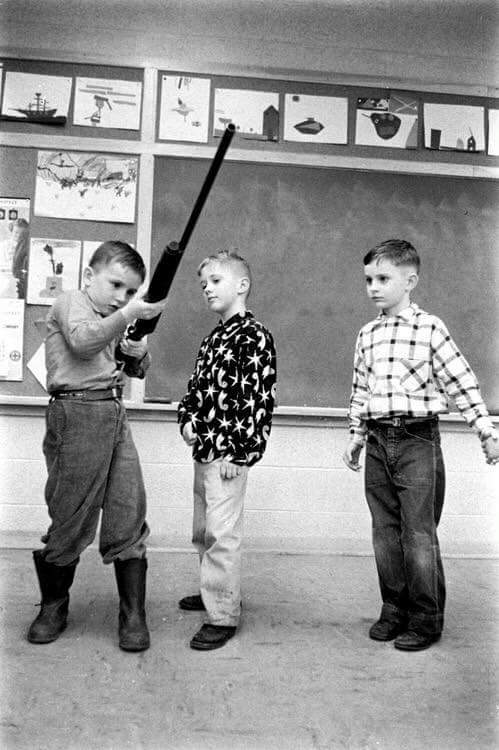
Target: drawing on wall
point(93, 187)
point(493, 149)
point(30, 97)
point(184, 108)
point(107, 103)
point(454, 127)
point(54, 267)
point(14, 246)
point(315, 119)
point(11, 339)
point(390, 122)
point(255, 114)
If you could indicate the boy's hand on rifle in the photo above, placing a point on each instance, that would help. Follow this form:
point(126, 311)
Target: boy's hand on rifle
point(135, 349)
point(490, 447)
point(139, 309)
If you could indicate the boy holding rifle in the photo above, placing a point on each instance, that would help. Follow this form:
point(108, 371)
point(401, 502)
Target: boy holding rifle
point(226, 418)
point(91, 458)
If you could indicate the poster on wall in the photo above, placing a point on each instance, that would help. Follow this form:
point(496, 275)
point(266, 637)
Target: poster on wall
point(493, 149)
point(14, 246)
point(107, 103)
point(315, 119)
point(184, 108)
point(454, 127)
point(93, 187)
point(54, 267)
point(255, 114)
point(387, 122)
point(11, 339)
point(32, 97)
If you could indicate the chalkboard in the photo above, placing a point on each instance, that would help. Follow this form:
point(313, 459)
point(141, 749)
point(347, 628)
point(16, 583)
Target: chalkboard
point(304, 231)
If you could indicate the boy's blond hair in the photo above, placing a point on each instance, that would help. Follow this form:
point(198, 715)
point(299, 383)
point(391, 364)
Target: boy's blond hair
point(230, 258)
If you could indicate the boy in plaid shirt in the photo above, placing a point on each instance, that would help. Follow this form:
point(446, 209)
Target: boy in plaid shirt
point(406, 365)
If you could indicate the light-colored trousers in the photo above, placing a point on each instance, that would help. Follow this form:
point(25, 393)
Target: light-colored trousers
point(217, 535)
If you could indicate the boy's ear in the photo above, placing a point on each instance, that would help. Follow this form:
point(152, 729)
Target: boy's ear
point(412, 280)
point(87, 275)
point(244, 284)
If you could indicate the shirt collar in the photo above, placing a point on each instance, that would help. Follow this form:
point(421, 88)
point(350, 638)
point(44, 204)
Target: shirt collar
point(406, 314)
point(235, 321)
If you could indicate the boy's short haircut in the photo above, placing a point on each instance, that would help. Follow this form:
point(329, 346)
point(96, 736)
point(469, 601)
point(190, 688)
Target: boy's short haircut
point(230, 258)
point(398, 252)
point(115, 251)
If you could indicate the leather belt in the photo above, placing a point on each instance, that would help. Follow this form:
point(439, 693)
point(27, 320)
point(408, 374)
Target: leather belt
point(401, 421)
point(99, 394)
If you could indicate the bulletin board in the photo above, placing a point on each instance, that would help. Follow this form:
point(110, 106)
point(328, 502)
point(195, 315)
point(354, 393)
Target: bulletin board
point(18, 167)
point(304, 231)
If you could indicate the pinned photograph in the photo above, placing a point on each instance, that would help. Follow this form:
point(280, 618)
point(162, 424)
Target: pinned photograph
point(14, 246)
point(255, 114)
point(454, 127)
point(54, 267)
point(493, 149)
point(107, 103)
point(11, 339)
point(387, 122)
point(29, 97)
point(93, 187)
point(184, 109)
point(315, 119)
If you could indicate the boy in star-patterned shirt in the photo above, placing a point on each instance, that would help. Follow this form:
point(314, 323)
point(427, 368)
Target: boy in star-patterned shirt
point(226, 418)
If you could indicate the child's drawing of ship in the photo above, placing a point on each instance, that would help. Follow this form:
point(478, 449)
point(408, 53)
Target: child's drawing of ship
point(38, 111)
point(310, 126)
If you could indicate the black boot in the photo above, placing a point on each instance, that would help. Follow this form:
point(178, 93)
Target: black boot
point(55, 582)
point(131, 580)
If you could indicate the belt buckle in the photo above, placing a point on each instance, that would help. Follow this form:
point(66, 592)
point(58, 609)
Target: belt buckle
point(397, 421)
point(115, 391)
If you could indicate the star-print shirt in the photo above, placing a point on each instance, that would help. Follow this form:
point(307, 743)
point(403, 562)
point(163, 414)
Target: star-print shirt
point(407, 365)
point(231, 393)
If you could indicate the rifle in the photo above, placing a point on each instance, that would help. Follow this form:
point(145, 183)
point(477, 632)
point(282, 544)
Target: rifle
point(168, 264)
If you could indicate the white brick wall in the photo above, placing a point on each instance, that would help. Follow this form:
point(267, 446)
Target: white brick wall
point(300, 497)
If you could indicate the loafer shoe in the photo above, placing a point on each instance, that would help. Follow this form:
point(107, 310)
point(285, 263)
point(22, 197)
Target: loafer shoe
point(386, 630)
point(412, 641)
point(192, 603)
point(212, 636)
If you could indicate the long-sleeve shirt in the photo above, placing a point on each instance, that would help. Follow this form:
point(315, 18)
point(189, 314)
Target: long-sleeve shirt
point(231, 393)
point(80, 346)
point(408, 365)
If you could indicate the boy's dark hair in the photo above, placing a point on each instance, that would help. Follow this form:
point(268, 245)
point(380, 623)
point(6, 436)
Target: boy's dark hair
point(398, 252)
point(119, 252)
point(228, 257)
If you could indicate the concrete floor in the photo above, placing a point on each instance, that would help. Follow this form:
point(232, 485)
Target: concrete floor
point(300, 674)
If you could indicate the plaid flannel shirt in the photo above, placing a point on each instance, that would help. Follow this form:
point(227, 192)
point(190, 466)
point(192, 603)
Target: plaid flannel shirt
point(408, 365)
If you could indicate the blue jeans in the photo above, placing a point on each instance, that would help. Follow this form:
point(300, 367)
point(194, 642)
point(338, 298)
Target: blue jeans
point(93, 467)
point(405, 485)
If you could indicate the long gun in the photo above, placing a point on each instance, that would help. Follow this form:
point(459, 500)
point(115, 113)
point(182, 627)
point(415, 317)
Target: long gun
point(166, 268)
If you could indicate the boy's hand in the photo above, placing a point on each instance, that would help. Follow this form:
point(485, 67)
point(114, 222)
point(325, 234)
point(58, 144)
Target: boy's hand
point(490, 447)
point(351, 456)
point(136, 349)
point(229, 470)
point(188, 434)
point(139, 309)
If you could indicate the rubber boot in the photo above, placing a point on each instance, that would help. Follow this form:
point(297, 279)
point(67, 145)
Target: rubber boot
point(55, 582)
point(131, 580)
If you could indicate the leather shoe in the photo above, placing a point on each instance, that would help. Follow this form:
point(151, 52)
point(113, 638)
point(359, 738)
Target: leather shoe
point(412, 641)
point(386, 630)
point(192, 603)
point(212, 636)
